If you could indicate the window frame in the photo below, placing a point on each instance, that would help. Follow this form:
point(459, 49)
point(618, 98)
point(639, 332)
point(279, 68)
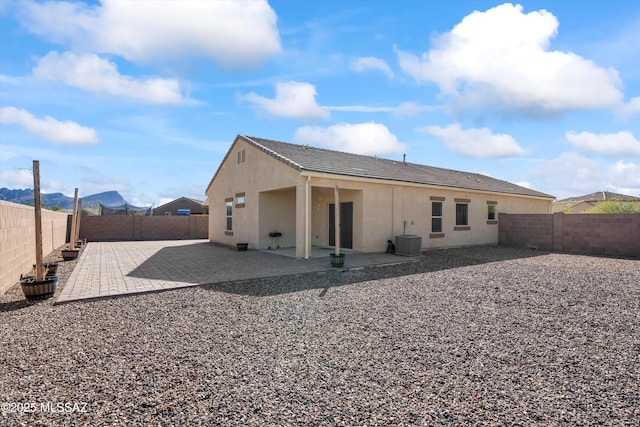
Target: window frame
point(437, 201)
point(240, 200)
point(228, 216)
point(492, 212)
point(462, 204)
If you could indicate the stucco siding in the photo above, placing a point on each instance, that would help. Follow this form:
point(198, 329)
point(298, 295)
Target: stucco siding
point(279, 197)
point(258, 173)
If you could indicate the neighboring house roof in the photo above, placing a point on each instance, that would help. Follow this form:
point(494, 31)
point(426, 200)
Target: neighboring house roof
point(306, 158)
point(196, 201)
point(598, 196)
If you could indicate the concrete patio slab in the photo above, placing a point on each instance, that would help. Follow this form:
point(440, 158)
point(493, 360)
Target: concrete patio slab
point(108, 269)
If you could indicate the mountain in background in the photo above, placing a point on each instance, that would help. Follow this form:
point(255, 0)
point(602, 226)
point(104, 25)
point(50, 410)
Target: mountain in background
point(108, 198)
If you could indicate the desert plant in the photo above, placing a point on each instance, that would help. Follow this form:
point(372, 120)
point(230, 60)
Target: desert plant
point(616, 207)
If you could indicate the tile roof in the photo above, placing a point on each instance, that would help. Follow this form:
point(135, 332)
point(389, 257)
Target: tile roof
point(598, 196)
point(312, 159)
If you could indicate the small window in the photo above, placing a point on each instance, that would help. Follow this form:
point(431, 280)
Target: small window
point(241, 156)
point(229, 216)
point(491, 212)
point(240, 200)
point(436, 217)
point(492, 216)
point(462, 214)
point(167, 214)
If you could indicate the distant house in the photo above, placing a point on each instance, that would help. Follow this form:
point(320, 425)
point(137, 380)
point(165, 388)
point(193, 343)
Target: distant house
point(264, 187)
point(182, 206)
point(584, 203)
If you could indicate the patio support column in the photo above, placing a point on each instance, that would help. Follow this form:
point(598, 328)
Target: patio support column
point(307, 219)
point(301, 221)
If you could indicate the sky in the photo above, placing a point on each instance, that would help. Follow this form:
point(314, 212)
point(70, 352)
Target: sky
point(146, 97)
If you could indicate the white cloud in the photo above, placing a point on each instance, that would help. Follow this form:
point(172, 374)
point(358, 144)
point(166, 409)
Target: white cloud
point(631, 107)
point(94, 74)
point(360, 108)
point(501, 58)
point(360, 138)
point(407, 109)
point(293, 100)
point(372, 63)
point(475, 142)
point(625, 177)
point(571, 174)
point(20, 178)
point(50, 129)
point(608, 144)
point(233, 33)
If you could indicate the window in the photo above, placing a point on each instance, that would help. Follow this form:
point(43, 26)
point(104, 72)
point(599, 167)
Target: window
point(241, 156)
point(229, 216)
point(436, 217)
point(240, 200)
point(491, 212)
point(462, 214)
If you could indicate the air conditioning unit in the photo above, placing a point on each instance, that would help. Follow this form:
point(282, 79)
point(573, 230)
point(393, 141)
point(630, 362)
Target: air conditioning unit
point(408, 245)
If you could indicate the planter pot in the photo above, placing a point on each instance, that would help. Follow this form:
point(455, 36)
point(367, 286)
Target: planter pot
point(337, 260)
point(69, 254)
point(42, 289)
point(52, 268)
point(242, 246)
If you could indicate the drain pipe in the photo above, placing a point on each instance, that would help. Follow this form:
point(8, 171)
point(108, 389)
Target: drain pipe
point(307, 220)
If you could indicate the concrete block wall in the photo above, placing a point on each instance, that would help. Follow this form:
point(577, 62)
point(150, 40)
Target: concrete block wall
point(526, 230)
point(18, 241)
point(606, 234)
point(598, 234)
point(120, 227)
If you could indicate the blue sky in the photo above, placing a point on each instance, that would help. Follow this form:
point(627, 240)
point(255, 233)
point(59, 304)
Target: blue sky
point(146, 97)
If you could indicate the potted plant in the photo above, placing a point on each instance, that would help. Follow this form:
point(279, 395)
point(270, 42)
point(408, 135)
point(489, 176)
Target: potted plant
point(337, 260)
point(39, 289)
point(39, 284)
point(70, 254)
point(72, 251)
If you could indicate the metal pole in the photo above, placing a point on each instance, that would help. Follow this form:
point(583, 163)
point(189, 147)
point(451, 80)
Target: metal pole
point(38, 218)
point(337, 219)
point(77, 237)
point(72, 242)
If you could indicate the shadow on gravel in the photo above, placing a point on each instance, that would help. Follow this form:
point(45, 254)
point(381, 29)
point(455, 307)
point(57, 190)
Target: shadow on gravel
point(433, 260)
point(15, 305)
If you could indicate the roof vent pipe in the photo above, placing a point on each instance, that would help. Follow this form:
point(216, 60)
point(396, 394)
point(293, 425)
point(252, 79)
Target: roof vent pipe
point(404, 159)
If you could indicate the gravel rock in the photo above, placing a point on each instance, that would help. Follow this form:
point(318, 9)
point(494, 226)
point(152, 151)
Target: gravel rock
point(469, 336)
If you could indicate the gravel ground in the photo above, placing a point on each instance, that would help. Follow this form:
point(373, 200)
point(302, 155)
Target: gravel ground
point(472, 336)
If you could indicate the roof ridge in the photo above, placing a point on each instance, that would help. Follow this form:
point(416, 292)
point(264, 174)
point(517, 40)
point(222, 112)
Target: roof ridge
point(271, 152)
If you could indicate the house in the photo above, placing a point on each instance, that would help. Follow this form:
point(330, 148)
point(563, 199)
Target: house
point(181, 206)
point(581, 204)
point(264, 187)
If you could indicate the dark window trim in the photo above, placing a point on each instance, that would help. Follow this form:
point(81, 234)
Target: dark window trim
point(462, 226)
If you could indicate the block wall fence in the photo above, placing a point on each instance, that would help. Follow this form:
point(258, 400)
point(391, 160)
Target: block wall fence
point(597, 234)
point(121, 227)
point(18, 239)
